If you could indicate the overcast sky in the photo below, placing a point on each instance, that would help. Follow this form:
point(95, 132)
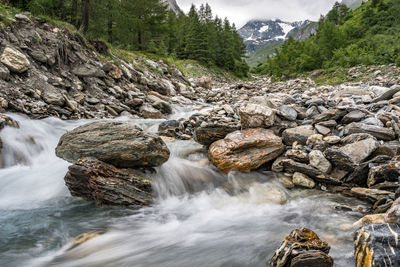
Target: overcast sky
point(241, 11)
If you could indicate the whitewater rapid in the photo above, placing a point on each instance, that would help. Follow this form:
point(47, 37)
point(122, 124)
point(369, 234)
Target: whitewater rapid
point(201, 217)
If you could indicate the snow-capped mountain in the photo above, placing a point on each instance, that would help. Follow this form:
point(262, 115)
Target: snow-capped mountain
point(261, 33)
point(172, 5)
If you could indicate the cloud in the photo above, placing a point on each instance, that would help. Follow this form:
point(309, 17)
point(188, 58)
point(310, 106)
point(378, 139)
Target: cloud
point(241, 11)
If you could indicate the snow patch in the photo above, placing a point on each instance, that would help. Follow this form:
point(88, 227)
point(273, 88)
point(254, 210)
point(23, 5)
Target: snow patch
point(286, 28)
point(264, 28)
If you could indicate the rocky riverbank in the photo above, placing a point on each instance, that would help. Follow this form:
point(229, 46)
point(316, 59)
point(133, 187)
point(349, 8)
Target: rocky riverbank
point(341, 139)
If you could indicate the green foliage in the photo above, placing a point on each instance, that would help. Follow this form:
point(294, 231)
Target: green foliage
point(368, 35)
point(148, 26)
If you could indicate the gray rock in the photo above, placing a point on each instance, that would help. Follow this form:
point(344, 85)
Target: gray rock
point(373, 121)
point(355, 138)
point(349, 156)
point(288, 113)
point(322, 129)
point(318, 160)
point(121, 144)
point(87, 70)
point(298, 134)
point(303, 180)
point(92, 179)
point(376, 131)
point(388, 94)
point(14, 60)
point(149, 112)
point(38, 55)
point(4, 73)
point(49, 93)
point(354, 116)
point(256, 116)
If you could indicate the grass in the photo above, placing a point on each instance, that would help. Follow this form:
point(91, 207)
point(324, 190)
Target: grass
point(7, 14)
point(334, 76)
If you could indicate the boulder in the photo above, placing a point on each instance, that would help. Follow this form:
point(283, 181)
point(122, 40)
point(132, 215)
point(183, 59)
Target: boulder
point(302, 248)
point(388, 94)
point(121, 144)
point(303, 180)
point(377, 245)
point(256, 116)
point(288, 113)
point(393, 214)
point(49, 93)
point(150, 112)
point(245, 150)
point(208, 133)
point(354, 116)
point(298, 134)
point(14, 60)
point(318, 160)
point(372, 195)
point(204, 82)
point(351, 155)
point(169, 128)
point(95, 180)
point(381, 133)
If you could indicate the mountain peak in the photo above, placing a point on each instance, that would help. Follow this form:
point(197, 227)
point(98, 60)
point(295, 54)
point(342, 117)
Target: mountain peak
point(259, 33)
point(172, 5)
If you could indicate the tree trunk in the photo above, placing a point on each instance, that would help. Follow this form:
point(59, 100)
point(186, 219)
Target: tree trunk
point(85, 16)
point(61, 9)
point(140, 39)
point(74, 13)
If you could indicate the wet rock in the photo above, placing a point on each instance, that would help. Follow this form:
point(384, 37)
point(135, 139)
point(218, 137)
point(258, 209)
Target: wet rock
point(302, 248)
point(293, 166)
point(298, 134)
point(7, 121)
point(318, 160)
point(169, 128)
point(255, 116)
point(393, 214)
point(377, 245)
point(354, 116)
point(14, 60)
point(286, 181)
point(360, 174)
point(105, 184)
point(303, 180)
point(163, 106)
point(288, 113)
point(121, 144)
point(371, 195)
point(149, 112)
point(349, 156)
point(245, 150)
point(381, 133)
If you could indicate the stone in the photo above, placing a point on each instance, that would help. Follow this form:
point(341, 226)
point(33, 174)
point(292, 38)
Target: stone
point(14, 60)
point(377, 245)
point(302, 248)
point(87, 70)
point(209, 133)
point(49, 93)
point(105, 184)
point(373, 121)
point(149, 112)
point(318, 160)
point(256, 116)
point(355, 138)
point(303, 180)
point(389, 171)
point(121, 144)
point(169, 128)
point(204, 82)
point(322, 129)
point(393, 214)
point(351, 155)
point(388, 94)
point(332, 140)
point(354, 116)
point(297, 155)
point(381, 133)
point(4, 73)
point(298, 134)
point(163, 106)
point(286, 181)
point(372, 195)
point(288, 113)
point(245, 150)
point(330, 114)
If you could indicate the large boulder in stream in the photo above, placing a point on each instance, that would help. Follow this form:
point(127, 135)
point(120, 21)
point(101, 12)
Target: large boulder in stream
point(302, 248)
point(245, 150)
point(95, 180)
point(121, 144)
point(377, 245)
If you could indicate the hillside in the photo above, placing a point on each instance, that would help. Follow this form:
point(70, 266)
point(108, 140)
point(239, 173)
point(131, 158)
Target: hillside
point(368, 35)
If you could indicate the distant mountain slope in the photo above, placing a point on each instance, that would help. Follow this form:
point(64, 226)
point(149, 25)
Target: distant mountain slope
point(353, 4)
point(172, 5)
point(258, 34)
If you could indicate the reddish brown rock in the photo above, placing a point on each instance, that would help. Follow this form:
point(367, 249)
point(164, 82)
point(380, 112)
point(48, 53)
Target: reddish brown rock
point(245, 150)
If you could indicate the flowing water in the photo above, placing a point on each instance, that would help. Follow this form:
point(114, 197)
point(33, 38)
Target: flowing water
point(200, 217)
